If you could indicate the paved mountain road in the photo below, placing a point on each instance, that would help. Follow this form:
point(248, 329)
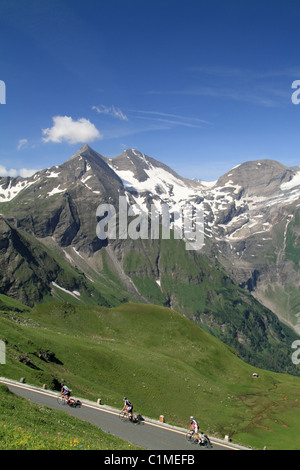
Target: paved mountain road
point(149, 434)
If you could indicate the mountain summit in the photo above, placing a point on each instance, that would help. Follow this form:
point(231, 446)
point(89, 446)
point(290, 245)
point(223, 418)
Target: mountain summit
point(258, 178)
point(139, 164)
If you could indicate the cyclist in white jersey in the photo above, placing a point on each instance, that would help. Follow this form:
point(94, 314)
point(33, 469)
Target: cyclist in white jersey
point(128, 408)
point(65, 392)
point(194, 427)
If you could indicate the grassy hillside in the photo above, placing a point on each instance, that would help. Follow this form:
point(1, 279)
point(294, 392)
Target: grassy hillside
point(162, 361)
point(193, 285)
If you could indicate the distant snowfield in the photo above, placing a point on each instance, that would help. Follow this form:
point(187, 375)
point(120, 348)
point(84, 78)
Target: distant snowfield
point(56, 191)
point(295, 181)
point(75, 293)
point(157, 178)
point(9, 193)
point(165, 188)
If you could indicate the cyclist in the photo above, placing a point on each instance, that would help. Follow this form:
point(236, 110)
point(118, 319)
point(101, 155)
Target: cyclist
point(194, 427)
point(128, 408)
point(65, 392)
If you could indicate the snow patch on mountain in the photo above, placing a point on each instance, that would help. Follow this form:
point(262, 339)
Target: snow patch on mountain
point(56, 190)
point(295, 181)
point(12, 190)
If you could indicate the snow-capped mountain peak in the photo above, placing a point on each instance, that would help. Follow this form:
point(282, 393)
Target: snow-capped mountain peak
point(251, 214)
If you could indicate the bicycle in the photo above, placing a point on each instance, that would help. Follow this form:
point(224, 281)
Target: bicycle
point(204, 440)
point(135, 418)
point(68, 401)
point(61, 400)
point(191, 438)
point(124, 416)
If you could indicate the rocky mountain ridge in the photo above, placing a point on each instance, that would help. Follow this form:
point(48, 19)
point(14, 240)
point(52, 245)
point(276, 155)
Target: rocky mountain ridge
point(250, 214)
point(49, 247)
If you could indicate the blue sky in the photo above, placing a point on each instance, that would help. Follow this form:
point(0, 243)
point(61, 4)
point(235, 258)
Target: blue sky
point(201, 85)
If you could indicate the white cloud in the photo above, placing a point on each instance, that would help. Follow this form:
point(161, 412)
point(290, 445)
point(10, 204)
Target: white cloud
point(66, 129)
point(168, 119)
point(111, 111)
point(5, 172)
point(24, 172)
point(22, 143)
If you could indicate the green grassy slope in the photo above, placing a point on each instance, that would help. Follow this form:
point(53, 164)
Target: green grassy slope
point(162, 361)
point(193, 285)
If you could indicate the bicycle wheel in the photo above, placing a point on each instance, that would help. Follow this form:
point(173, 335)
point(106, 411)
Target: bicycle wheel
point(190, 437)
point(123, 416)
point(207, 442)
point(136, 418)
point(61, 401)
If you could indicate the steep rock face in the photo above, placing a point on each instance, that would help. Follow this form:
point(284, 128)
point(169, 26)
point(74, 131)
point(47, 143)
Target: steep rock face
point(22, 273)
point(258, 238)
point(33, 271)
point(63, 200)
